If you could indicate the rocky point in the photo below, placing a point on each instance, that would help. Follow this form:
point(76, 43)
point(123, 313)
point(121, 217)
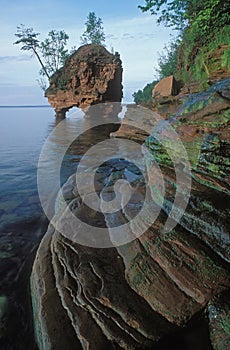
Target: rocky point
point(132, 296)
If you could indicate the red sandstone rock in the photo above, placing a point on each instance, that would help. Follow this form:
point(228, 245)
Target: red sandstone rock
point(130, 296)
point(91, 75)
point(166, 87)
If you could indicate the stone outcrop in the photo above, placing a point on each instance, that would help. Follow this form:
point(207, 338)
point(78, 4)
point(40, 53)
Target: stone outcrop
point(166, 87)
point(137, 124)
point(133, 295)
point(91, 75)
point(202, 123)
point(126, 297)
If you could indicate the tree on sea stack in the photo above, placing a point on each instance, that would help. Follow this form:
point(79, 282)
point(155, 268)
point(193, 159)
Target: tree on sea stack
point(29, 40)
point(51, 53)
point(54, 51)
point(94, 33)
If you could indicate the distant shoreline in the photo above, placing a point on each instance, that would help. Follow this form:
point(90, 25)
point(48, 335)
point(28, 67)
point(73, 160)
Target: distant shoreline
point(27, 106)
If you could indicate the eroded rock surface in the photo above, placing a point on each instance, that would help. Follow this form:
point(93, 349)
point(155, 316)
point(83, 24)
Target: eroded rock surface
point(131, 295)
point(91, 75)
point(120, 298)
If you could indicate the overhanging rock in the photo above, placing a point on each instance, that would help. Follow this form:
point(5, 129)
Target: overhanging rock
point(91, 75)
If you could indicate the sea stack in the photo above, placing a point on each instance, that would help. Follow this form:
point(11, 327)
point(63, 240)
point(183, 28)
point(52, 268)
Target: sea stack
point(90, 75)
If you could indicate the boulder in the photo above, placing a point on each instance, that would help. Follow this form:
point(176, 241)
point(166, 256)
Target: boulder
point(136, 124)
point(168, 86)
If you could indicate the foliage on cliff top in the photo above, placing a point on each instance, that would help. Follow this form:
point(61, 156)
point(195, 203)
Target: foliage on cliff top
point(203, 17)
point(51, 53)
point(203, 28)
point(94, 32)
point(143, 96)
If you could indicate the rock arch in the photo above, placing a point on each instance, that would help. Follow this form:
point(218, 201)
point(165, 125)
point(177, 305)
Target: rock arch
point(91, 75)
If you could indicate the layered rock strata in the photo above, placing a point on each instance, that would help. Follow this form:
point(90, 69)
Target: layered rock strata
point(125, 297)
point(131, 295)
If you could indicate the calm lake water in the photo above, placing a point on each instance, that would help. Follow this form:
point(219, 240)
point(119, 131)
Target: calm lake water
point(22, 222)
point(23, 133)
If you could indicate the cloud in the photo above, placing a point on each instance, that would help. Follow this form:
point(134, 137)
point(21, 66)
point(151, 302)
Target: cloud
point(111, 37)
point(20, 58)
point(137, 39)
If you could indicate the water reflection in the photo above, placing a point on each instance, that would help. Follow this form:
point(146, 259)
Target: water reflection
point(68, 142)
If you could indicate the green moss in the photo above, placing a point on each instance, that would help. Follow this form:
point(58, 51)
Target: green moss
point(199, 60)
point(137, 279)
point(225, 324)
point(225, 60)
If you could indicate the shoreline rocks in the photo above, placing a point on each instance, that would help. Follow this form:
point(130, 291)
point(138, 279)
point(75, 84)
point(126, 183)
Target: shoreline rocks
point(133, 295)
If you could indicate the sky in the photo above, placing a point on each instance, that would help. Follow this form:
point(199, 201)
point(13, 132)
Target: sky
point(135, 35)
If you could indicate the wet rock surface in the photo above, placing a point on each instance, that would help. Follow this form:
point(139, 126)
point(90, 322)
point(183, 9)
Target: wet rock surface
point(141, 294)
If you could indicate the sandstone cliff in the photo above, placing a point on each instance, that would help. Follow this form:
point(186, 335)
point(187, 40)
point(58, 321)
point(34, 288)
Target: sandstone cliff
point(90, 75)
point(133, 295)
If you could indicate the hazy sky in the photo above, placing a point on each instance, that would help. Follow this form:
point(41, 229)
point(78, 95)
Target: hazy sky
point(135, 35)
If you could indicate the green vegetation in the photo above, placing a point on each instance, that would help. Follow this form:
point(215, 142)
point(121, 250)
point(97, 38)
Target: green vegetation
point(29, 40)
point(170, 13)
point(226, 56)
point(203, 28)
point(197, 60)
point(168, 60)
point(51, 53)
point(144, 95)
point(54, 51)
point(202, 18)
point(94, 33)
point(225, 324)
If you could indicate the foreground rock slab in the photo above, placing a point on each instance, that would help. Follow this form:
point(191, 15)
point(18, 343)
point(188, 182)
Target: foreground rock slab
point(126, 297)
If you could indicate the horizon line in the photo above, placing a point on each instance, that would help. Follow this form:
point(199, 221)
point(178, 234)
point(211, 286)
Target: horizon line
point(25, 106)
